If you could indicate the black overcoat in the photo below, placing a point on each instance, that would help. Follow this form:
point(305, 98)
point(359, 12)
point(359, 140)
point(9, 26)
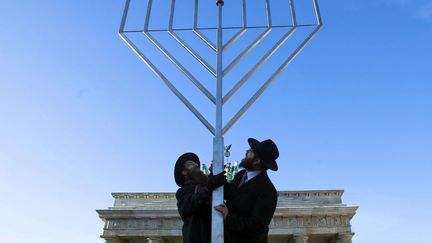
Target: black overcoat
point(195, 210)
point(251, 208)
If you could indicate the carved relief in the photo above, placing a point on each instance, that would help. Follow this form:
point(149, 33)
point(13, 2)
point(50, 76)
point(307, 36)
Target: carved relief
point(310, 221)
point(151, 196)
point(145, 224)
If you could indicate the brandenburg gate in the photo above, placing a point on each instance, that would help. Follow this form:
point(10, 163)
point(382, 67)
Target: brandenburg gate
point(317, 216)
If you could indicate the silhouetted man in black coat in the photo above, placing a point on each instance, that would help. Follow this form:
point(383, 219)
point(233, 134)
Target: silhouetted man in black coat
point(251, 197)
point(194, 198)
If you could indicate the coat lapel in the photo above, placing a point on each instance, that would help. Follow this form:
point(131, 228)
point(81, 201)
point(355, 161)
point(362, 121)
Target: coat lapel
point(235, 190)
point(252, 181)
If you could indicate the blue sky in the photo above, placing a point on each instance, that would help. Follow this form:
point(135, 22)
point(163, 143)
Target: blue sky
point(81, 116)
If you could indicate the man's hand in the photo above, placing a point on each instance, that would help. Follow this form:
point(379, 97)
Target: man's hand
point(223, 210)
point(216, 181)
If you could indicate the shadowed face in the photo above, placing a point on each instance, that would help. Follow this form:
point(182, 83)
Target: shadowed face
point(191, 171)
point(190, 166)
point(251, 161)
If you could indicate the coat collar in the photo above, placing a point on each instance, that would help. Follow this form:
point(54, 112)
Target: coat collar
point(250, 182)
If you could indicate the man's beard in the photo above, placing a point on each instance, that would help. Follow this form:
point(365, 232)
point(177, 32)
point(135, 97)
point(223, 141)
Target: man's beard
point(247, 163)
point(198, 177)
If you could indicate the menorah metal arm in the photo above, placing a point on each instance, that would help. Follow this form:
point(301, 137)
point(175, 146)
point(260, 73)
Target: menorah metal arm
point(246, 51)
point(234, 39)
point(219, 73)
point(242, 31)
point(171, 17)
point(244, 13)
point(258, 65)
point(181, 68)
point(293, 12)
point(148, 14)
point(184, 44)
point(269, 81)
point(267, 56)
point(197, 32)
point(205, 39)
point(269, 18)
point(193, 53)
point(124, 17)
point(317, 13)
point(158, 73)
point(168, 83)
point(224, 28)
point(172, 58)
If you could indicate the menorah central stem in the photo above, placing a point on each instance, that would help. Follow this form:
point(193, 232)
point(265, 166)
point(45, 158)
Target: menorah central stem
point(218, 142)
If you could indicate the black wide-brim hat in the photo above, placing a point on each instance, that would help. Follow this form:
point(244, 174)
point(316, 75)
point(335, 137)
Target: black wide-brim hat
point(179, 178)
point(267, 151)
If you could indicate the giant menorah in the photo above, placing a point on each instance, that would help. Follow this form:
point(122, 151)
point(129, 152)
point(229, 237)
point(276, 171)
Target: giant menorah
point(218, 98)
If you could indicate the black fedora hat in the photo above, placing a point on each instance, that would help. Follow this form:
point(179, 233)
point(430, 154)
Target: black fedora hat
point(267, 151)
point(179, 178)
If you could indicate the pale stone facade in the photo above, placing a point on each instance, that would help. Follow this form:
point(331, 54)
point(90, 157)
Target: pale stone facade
point(300, 217)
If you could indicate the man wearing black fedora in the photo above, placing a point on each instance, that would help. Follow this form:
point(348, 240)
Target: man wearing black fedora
point(251, 197)
point(194, 197)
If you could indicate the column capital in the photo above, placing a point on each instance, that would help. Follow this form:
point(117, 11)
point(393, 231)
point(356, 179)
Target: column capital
point(300, 238)
point(155, 240)
point(345, 237)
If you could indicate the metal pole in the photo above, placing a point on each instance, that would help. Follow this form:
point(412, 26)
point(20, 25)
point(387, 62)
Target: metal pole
point(218, 141)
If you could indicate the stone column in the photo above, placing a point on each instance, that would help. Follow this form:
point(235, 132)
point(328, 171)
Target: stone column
point(155, 240)
point(345, 237)
point(300, 238)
